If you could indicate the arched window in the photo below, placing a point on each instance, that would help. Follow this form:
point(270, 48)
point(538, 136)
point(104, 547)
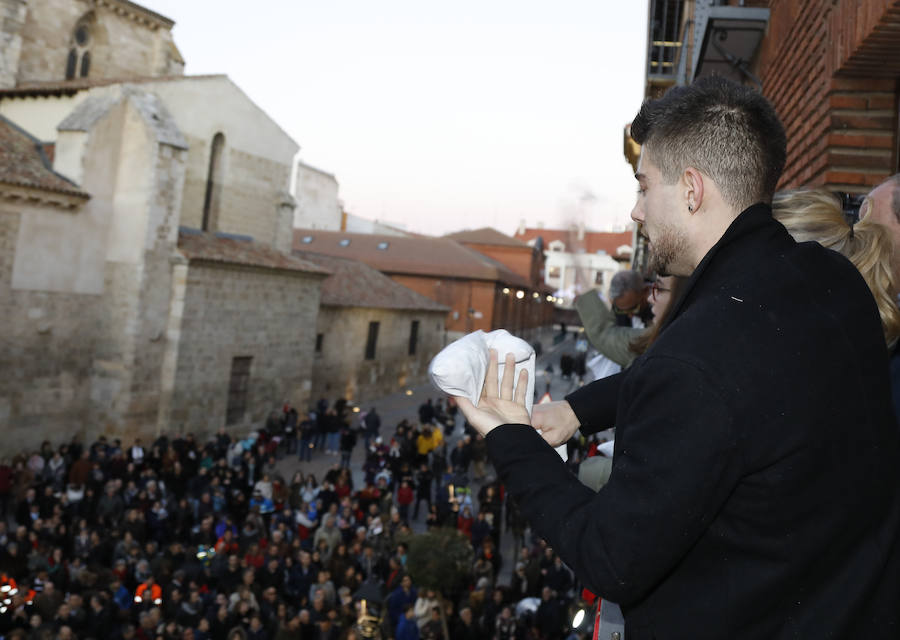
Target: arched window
point(71, 64)
point(213, 196)
point(85, 64)
point(79, 60)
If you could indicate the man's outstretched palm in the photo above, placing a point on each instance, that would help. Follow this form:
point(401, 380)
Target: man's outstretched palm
point(498, 404)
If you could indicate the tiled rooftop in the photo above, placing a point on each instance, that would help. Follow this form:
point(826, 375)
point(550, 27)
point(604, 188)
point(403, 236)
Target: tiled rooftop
point(418, 255)
point(354, 284)
point(592, 242)
point(211, 247)
point(24, 163)
point(486, 235)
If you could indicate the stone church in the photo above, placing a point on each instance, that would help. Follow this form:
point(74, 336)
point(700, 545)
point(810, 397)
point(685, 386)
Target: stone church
point(146, 279)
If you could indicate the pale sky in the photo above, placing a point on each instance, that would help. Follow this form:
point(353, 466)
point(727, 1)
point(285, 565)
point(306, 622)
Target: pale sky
point(441, 116)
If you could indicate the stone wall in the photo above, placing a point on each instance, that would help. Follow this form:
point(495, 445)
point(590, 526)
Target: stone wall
point(126, 384)
point(46, 352)
point(341, 370)
point(124, 42)
point(233, 312)
point(251, 190)
point(251, 193)
point(318, 206)
point(256, 158)
point(12, 19)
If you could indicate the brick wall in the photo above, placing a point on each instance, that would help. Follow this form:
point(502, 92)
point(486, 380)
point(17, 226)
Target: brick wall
point(516, 259)
point(459, 295)
point(234, 312)
point(341, 370)
point(837, 101)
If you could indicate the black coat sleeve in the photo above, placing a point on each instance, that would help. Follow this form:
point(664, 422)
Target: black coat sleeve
point(676, 461)
point(595, 404)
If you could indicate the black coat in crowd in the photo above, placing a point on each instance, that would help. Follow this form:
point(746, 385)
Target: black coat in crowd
point(754, 489)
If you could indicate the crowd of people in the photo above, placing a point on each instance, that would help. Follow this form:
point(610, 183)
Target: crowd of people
point(178, 538)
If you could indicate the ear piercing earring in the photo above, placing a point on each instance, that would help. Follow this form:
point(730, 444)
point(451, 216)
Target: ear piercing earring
point(691, 208)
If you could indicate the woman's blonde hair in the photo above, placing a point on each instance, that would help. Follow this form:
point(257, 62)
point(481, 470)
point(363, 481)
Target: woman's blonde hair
point(816, 214)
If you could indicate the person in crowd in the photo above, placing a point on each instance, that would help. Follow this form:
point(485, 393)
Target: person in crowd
point(622, 344)
point(426, 412)
point(872, 245)
point(371, 426)
point(882, 206)
point(815, 215)
point(347, 443)
point(407, 629)
point(628, 293)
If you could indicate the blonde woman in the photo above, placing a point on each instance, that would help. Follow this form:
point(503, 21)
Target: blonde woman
point(816, 215)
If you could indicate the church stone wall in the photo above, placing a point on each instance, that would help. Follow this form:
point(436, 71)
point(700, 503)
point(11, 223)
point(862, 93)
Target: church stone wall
point(250, 194)
point(121, 44)
point(126, 384)
point(46, 352)
point(12, 19)
point(340, 370)
point(318, 206)
point(256, 159)
point(238, 312)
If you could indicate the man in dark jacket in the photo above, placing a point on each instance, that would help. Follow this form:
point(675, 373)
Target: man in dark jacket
point(372, 423)
point(754, 488)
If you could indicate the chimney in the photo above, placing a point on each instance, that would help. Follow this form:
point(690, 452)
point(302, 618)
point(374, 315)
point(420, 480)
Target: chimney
point(49, 149)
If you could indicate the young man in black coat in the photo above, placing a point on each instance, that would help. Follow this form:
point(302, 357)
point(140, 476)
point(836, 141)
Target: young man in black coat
point(754, 488)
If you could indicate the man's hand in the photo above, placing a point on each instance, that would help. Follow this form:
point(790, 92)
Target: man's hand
point(498, 405)
point(555, 420)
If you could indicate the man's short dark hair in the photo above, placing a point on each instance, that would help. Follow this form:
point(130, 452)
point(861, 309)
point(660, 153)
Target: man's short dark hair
point(726, 130)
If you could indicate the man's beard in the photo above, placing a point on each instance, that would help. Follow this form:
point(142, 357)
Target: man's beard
point(666, 251)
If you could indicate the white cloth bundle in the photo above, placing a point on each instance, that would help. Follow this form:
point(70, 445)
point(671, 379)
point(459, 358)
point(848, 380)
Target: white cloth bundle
point(460, 368)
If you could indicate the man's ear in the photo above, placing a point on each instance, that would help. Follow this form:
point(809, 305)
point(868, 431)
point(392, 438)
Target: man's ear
point(692, 181)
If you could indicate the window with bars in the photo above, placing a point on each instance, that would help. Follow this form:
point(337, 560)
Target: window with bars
point(238, 386)
point(413, 337)
point(372, 340)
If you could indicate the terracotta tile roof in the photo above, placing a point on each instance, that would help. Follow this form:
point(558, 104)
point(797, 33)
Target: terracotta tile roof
point(24, 163)
point(593, 241)
point(214, 247)
point(419, 255)
point(354, 284)
point(486, 235)
point(71, 87)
